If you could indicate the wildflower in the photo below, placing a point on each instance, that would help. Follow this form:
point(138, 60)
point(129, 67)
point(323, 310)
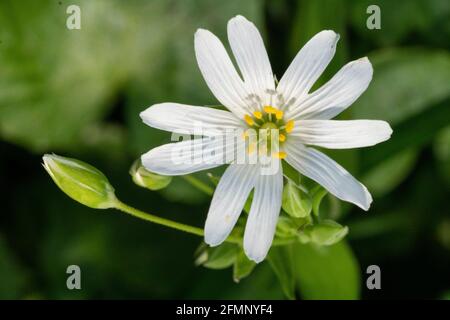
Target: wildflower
point(300, 118)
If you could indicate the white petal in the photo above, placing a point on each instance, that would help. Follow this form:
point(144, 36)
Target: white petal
point(263, 216)
point(184, 119)
point(325, 171)
point(308, 65)
point(228, 201)
point(189, 156)
point(219, 72)
point(337, 94)
point(342, 134)
point(251, 56)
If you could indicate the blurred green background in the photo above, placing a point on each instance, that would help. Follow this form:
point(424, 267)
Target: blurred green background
point(78, 93)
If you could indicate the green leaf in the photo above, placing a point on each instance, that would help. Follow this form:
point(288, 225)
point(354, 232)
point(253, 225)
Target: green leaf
point(417, 79)
point(242, 267)
point(317, 195)
point(293, 203)
point(416, 105)
point(80, 181)
point(290, 173)
point(221, 257)
point(213, 178)
point(326, 272)
point(281, 260)
point(412, 133)
point(390, 173)
point(146, 179)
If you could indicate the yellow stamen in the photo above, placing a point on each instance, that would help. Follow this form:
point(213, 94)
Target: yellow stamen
point(249, 120)
point(279, 114)
point(270, 110)
point(257, 114)
point(290, 126)
point(280, 155)
point(282, 137)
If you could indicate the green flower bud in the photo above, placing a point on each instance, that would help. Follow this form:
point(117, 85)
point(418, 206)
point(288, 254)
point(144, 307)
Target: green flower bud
point(80, 181)
point(325, 233)
point(220, 257)
point(285, 227)
point(146, 179)
point(295, 203)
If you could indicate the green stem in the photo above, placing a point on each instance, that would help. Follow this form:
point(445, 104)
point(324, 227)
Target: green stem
point(199, 184)
point(119, 205)
point(166, 222)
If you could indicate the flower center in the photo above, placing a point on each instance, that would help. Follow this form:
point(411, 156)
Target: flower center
point(270, 130)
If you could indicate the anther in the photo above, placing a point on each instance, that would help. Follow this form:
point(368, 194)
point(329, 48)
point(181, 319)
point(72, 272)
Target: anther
point(257, 114)
point(249, 120)
point(290, 126)
point(270, 110)
point(280, 155)
point(279, 114)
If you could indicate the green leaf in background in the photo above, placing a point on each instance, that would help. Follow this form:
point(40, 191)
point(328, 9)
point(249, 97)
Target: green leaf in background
point(415, 106)
point(242, 267)
point(146, 179)
point(390, 173)
point(282, 263)
point(330, 272)
point(295, 204)
point(417, 79)
point(53, 86)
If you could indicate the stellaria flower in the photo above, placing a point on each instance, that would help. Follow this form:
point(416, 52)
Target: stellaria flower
point(254, 101)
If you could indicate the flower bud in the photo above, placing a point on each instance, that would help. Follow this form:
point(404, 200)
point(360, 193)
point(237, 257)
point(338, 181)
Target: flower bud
point(296, 204)
point(286, 227)
point(80, 181)
point(326, 232)
point(146, 179)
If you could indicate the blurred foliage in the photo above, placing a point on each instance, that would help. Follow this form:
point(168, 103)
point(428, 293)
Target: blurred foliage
point(79, 93)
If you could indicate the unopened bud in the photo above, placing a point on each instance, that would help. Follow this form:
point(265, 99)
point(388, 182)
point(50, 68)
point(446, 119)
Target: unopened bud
point(146, 179)
point(80, 181)
point(326, 232)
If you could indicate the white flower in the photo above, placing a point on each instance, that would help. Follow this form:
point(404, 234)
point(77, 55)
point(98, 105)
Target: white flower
point(302, 118)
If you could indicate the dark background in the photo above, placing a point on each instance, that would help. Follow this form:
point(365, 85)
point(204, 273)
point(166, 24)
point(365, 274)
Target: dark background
point(78, 93)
